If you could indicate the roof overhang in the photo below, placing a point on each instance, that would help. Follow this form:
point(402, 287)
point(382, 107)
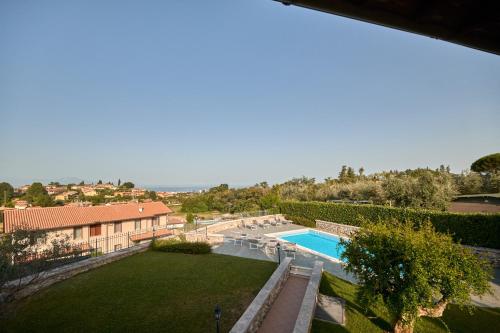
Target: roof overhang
point(470, 23)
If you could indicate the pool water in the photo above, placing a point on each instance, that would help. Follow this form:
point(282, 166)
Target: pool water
point(322, 243)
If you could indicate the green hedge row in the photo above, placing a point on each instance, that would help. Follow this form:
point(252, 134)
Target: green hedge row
point(301, 221)
point(181, 247)
point(470, 229)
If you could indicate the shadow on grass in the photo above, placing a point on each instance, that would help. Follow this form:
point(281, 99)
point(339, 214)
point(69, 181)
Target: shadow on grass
point(330, 286)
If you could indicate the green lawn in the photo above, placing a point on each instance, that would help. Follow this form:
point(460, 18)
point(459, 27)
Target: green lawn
point(147, 292)
point(377, 319)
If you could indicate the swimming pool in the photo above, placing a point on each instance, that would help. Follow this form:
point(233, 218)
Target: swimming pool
point(320, 243)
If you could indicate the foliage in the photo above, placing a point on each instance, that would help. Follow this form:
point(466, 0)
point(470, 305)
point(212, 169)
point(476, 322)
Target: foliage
point(232, 200)
point(420, 188)
point(173, 245)
point(416, 272)
point(377, 319)
point(488, 163)
point(38, 196)
point(301, 221)
point(471, 229)
point(27, 252)
point(190, 218)
point(470, 182)
point(128, 185)
point(6, 192)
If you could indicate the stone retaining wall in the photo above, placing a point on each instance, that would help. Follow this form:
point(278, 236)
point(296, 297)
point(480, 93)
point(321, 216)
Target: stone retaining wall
point(336, 228)
point(210, 233)
point(253, 316)
point(61, 273)
point(308, 306)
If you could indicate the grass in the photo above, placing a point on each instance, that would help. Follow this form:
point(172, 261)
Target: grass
point(147, 292)
point(378, 319)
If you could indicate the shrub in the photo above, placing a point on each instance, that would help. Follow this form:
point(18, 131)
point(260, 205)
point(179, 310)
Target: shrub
point(178, 246)
point(470, 229)
point(301, 221)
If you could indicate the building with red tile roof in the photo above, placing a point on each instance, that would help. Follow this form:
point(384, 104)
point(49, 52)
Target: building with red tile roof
point(71, 216)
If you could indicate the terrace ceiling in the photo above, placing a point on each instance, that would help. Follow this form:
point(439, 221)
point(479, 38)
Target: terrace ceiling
point(472, 23)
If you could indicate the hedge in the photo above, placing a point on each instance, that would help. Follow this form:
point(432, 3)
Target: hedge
point(469, 229)
point(301, 221)
point(181, 246)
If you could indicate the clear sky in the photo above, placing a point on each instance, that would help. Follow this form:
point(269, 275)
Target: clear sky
point(234, 91)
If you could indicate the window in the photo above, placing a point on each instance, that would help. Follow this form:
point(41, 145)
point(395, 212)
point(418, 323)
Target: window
point(138, 225)
point(118, 227)
point(95, 230)
point(118, 247)
point(156, 220)
point(77, 233)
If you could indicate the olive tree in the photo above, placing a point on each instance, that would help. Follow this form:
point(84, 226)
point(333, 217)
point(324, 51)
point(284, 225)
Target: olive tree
point(416, 272)
point(25, 253)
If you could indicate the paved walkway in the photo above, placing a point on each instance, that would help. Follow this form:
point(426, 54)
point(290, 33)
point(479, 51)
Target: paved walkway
point(285, 309)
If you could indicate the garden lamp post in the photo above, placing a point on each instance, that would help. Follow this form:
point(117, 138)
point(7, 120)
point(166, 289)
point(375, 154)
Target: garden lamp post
point(217, 314)
point(278, 246)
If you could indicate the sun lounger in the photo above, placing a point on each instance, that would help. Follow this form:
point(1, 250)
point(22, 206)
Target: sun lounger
point(266, 224)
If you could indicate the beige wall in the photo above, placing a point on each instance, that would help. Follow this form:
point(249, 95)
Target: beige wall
point(107, 230)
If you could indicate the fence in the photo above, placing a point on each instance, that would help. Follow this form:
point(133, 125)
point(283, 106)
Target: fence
point(107, 244)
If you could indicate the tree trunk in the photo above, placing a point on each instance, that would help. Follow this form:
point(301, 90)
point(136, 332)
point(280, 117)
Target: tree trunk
point(402, 327)
point(436, 311)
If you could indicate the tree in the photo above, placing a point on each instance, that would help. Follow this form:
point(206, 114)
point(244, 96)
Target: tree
point(6, 192)
point(82, 183)
point(416, 272)
point(190, 218)
point(361, 172)
point(343, 174)
point(487, 164)
point(27, 252)
point(128, 185)
point(119, 182)
point(99, 182)
point(469, 183)
point(38, 196)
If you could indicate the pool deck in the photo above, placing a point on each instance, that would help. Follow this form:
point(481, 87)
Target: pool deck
point(307, 259)
point(302, 258)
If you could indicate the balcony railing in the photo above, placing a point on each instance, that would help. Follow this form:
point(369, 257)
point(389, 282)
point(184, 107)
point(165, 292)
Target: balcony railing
point(97, 246)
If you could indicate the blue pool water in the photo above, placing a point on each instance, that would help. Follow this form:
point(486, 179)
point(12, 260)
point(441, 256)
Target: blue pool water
point(318, 242)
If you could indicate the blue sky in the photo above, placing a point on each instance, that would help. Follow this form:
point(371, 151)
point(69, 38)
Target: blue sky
point(233, 91)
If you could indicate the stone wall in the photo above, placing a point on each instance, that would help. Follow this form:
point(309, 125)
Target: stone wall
point(61, 273)
point(210, 232)
point(308, 306)
point(253, 316)
point(336, 228)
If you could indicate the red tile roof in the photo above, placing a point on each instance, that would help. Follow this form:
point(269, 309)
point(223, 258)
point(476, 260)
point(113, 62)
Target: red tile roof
point(69, 216)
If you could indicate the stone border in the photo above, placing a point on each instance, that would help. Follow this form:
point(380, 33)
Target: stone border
point(212, 232)
point(253, 316)
point(61, 273)
point(336, 228)
point(308, 307)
